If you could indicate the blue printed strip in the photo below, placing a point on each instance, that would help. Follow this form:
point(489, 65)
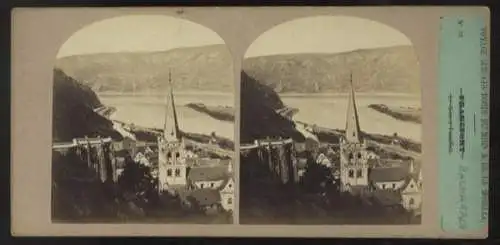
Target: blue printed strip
point(463, 124)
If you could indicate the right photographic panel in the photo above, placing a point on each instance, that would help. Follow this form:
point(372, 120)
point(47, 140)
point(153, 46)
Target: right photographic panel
point(330, 127)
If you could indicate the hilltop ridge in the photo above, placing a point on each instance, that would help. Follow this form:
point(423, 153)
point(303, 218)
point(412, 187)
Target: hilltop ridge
point(200, 68)
point(391, 69)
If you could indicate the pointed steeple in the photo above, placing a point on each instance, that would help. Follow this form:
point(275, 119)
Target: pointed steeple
point(352, 129)
point(171, 127)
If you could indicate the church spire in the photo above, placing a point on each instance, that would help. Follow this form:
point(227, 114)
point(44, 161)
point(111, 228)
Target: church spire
point(171, 127)
point(352, 130)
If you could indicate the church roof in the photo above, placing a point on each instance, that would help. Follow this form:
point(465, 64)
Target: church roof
point(206, 196)
point(387, 197)
point(388, 174)
point(352, 129)
point(208, 173)
point(171, 126)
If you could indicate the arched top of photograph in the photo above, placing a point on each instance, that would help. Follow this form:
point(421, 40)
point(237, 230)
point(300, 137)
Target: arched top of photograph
point(380, 58)
point(138, 53)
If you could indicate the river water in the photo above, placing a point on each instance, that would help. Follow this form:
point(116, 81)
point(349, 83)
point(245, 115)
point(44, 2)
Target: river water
point(322, 110)
point(149, 111)
point(330, 111)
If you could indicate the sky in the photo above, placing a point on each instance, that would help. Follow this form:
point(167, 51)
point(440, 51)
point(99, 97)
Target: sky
point(138, 33)
point(325, 34)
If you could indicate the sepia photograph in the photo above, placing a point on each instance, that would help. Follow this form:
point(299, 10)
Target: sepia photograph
point(143, 124)
point(330, 128)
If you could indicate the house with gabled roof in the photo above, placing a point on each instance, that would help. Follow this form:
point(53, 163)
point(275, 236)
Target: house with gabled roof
point(207, 200)
point(404, 181)
point(201, 177)
point(216, 178)
point(388, 178)
point(411, 192)
point(227, 194)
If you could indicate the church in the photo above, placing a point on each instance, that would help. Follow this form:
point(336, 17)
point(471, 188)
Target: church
point(364, 173)
point(182, 173)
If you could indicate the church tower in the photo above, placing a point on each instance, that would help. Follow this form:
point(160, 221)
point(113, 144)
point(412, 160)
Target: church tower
point(353, 154)
point(171, 150)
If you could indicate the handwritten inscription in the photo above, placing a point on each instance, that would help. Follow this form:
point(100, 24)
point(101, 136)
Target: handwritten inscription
point(461, 31)
point(462, 207)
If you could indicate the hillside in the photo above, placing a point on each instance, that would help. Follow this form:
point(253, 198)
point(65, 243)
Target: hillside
point(393, 69)
point(258, 116)
point(73, 114)
point(206, 68)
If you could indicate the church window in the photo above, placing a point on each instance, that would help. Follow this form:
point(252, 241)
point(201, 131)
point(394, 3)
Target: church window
point(177, 155)
point(169, 172)
point(411, 186)
point(169, 155)
point(177, 172)
point(412, 202)
point(350, 156)
point(230, 185)
point(229, 201)
point(383, 186)
point(393, 186)
point(359, 173)
point(351, 173)
point(202, 185)
point(212, 185)
point(359, 155)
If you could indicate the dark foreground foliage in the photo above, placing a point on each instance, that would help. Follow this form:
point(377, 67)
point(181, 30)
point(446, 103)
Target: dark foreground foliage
point(315, 200)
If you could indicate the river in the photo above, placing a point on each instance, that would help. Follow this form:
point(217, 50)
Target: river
point(330, 111)
point(320, 109)
point(149, 111)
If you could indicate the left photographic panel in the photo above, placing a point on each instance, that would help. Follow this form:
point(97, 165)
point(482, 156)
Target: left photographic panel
point(143, 124)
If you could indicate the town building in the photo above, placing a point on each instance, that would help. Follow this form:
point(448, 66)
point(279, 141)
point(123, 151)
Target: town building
point(172, 167)
point(204, 182)
point(353, 152)
point(362, 172)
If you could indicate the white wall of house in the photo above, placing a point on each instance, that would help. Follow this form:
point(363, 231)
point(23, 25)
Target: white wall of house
point(411, 195)
point(411, 201)
point(227, 201)
point(227, 195)
point(390, 185)
point(208, 184)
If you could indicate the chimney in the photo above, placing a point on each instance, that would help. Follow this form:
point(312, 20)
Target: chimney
point(412, 167)
point(230, 167)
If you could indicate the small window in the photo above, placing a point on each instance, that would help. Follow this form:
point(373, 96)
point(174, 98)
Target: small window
point(169, 172)
point(202, 185)
point(177, 172)
point(383, 186)
point(351, 173)
point(359, 155)
point(177, 155)
point(393, 186)
point(169, 155)
point(230, 185)
point(412, 202)
point(212, 185)
point(229, 201)
point(411, 186)
point(359, 173)
point(350, 156)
